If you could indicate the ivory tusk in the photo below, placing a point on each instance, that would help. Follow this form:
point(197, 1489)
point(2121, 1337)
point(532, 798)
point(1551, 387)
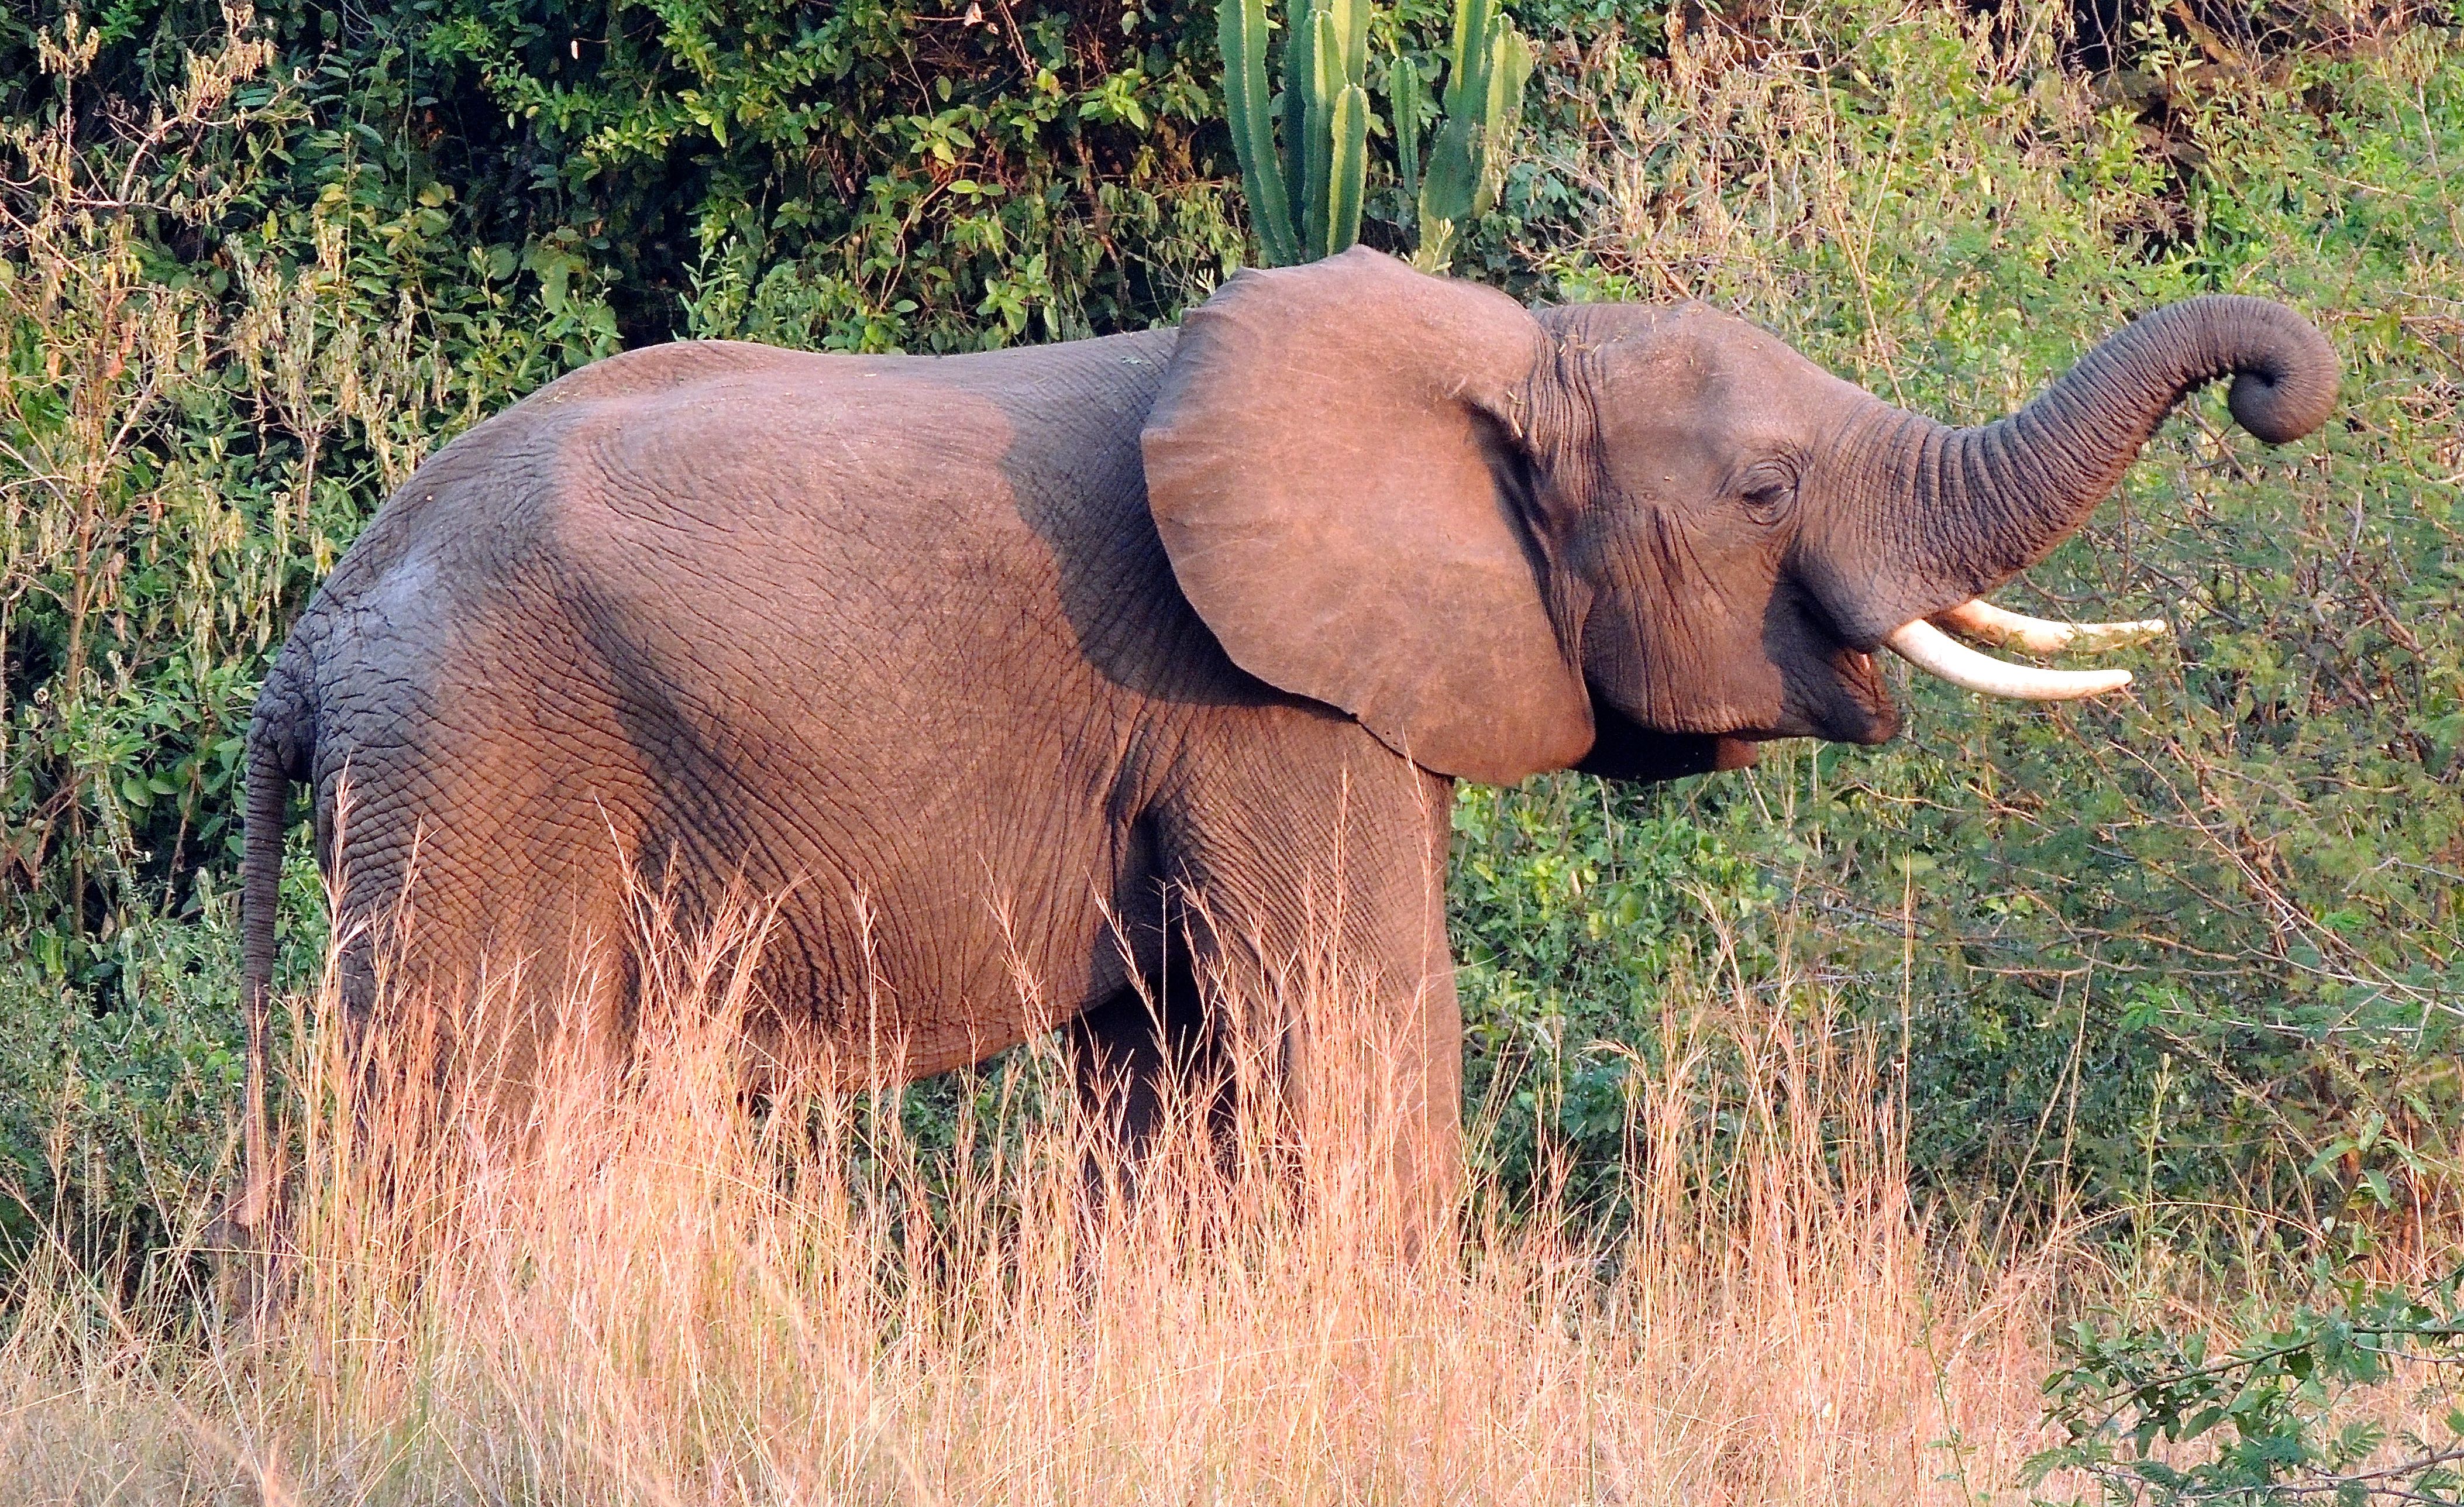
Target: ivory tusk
point(1987, 624)
point(1933, 650)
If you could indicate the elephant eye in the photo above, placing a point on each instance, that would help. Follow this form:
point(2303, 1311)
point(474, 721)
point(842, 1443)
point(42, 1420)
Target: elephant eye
point(1769, 490)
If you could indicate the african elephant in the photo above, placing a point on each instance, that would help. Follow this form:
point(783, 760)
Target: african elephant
point(1147, 663)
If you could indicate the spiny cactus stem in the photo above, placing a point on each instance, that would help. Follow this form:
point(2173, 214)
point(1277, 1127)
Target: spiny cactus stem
point(1403, 97)
point(1349, 172)
point(1241, 35)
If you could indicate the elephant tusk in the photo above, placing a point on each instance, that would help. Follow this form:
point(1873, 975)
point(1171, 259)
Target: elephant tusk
point(1933, 650)
point(1985, 623)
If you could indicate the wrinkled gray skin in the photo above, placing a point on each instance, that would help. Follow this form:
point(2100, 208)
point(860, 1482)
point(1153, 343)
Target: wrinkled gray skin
point(1147, 661)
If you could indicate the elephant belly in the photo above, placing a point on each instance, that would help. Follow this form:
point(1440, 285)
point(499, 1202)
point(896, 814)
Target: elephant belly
point(885, 937)
point(933, 968)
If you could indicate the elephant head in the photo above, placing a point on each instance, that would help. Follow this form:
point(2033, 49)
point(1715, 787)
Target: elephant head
point(1510, 541)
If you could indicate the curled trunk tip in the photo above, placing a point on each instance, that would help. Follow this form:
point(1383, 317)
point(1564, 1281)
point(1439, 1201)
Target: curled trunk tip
point(1964, 510)
point(2285, 389)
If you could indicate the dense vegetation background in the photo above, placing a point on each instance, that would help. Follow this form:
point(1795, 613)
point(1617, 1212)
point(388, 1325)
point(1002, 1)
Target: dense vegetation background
point(2192, 960)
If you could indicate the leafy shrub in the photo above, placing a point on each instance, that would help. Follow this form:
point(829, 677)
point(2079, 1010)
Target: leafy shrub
point(2173, 952)
point(2154, 1416)
point(869, 176)
point(2194, 950)
point(227, 331)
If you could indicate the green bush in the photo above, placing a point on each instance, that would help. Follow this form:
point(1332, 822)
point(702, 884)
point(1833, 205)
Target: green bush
point(2194, 953)
point(870, 176)
point(231, 320)
point(2166, 1419)
point(255, 264)
point(2194, 950)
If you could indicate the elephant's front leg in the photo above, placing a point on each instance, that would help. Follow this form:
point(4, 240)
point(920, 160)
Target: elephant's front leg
point(1310, 898)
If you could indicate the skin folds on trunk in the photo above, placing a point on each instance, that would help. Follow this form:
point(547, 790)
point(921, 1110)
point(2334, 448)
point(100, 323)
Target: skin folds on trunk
point(1967, 509)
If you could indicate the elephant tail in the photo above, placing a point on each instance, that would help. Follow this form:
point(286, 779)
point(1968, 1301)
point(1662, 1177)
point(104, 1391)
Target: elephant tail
point(281, 736)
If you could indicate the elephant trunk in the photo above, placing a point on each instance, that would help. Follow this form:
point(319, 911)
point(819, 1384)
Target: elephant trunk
point(1965, 509)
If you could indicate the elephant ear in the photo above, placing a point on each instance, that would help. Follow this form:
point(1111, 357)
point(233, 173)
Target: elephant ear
point(1334, 465)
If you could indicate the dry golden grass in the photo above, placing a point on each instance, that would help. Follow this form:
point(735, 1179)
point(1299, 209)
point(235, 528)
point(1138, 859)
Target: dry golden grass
point(656, 1294)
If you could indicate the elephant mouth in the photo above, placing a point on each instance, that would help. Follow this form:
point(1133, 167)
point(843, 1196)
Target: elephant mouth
point(1923, 643)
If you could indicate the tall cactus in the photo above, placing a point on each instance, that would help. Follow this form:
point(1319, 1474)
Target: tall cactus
point(1241, 35)
point(1305, 199)
point(1487, 69)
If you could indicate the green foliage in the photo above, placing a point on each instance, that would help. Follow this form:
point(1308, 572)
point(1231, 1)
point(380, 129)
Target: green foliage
point(254, 266)
point(1488, 65)
point(869, 176)
point(1327, 118)
point(1584, 913)
point(227, 329)
point(2166, 954)
point(2191, 958)
point(2154, 1417)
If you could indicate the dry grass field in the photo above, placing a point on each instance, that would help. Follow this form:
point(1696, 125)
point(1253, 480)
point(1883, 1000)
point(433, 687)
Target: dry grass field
point(653, 1295)
point(646, 1289)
